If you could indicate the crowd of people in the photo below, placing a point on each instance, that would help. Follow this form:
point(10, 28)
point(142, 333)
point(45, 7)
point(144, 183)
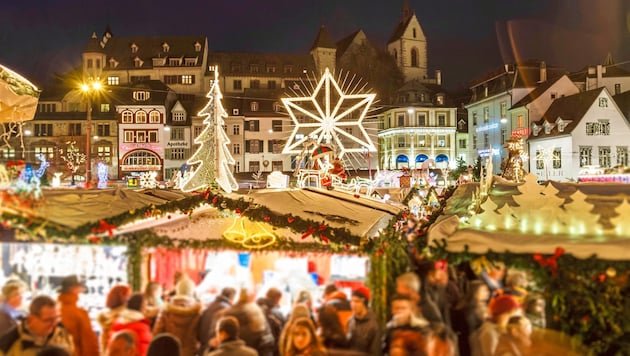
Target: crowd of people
point(433, 312)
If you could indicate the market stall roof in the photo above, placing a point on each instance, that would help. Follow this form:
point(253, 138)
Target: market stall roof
point(585, 219)
point(18, 97)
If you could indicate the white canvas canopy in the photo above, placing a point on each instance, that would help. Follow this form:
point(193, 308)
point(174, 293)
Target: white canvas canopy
point(18, 97)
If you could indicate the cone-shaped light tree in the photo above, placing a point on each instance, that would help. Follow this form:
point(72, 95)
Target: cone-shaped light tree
point(213, 158)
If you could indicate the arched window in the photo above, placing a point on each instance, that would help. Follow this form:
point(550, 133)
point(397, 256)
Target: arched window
point(141, 117)
point(421, 158)
point(414, 57)
point(127, 117)
point(441, 158)
point(154, 117)
point(253, 106)
point(402, 161)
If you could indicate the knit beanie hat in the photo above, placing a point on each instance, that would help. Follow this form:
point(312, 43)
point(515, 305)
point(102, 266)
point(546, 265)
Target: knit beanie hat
point(363, 293)
point(185, 287)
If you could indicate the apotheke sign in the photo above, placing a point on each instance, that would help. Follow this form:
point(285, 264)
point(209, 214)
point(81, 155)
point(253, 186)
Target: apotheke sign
point(182, 144)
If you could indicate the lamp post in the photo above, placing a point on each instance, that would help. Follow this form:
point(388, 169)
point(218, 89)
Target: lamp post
point(89, 89)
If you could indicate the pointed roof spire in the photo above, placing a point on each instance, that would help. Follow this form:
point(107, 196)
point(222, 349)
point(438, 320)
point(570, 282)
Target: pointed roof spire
point(609, 61)
point(93, 44)
point(323, 39)
point(406, 11)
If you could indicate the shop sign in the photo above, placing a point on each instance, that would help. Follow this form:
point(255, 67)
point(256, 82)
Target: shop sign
point(521, 132)
point(486, 152)
point(182, 144)
point(140, 167)
point(487, 127)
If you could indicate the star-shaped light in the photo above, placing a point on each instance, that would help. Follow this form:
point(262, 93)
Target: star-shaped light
point(329, 116)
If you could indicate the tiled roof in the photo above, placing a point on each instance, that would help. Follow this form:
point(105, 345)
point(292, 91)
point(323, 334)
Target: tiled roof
point(124, 95)
point(570, 108)
point(623, 102)
point(323, 39)
point(344, 43)
point(239, 63)
point(400, 29)
point(120, 49)
point(534, 94)
point(94, 44)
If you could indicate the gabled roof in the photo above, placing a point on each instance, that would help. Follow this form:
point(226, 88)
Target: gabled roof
point(400, 29)
point(323, 39)
point(623, 102)
point(226, 60)
point(537, 92)
point(570, 108)
point(120, 49)
point(344, 43)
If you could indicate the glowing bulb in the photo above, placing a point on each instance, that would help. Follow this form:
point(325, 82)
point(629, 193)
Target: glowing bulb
point(97, 85)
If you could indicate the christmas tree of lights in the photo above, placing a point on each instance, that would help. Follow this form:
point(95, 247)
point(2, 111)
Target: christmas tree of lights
point(213, 156)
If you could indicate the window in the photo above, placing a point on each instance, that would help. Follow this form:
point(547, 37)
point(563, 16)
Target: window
point(557, 158)
point(254, 84)
point(254, 166)
point(519, 121)
point(277, 106)
point(271, 69)
point(603, 102)
point(177, 153)
point(441, 142)
point(236, 129)
point(47, 108)
point(486, 143)
point(237, 84)
point(275, 146)
point(98, 63)
point(254, 68)
point(165, 47)
point(554, 95)
point(277, 166)
point(622, 155)
point(139, 78)
point(348, 130)
point(47, 151)
point(255, 146)
point(174, 61)
point(197, 130)
point(474, 118)
point(401, 120)
point(235, 67)
point(104, 107)
point(141, 95)
point(178, 133)
point(486, 115)
point(141, 117)
point(401, 141)
point(441, 120)
point(617, 89)
point(461, 124)
point(474, 142)
point(113, 80)
point(585, 155)
point(604, 156)
point(271, 84)
point(8, 152)
point(440, 99)
point(141, 136)
point(414, 57)
point(462, 143)
point(253, 106)
point(127, 117)
point(129, 135)
point(540, 159)
point(154, 117)
point(137, 62)
point(43, 130)
point(276, 125)
point(422, 141)
point(179, 116)
point(90, 63)
point(236, 148)
point(134, 48)
point(414, 33)
point(153, 136)
point(74, 129)
point(104, 153)
point(252, 125)
point(190, 62)
point(503, 135)
point(102, 130)
point(422, 120)
point(592, 128)
point(188, 79)
point(288, 69)
point(237, 167)
point(503, 110)
point(604, 127)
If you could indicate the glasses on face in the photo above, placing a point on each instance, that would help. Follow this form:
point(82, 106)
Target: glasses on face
point(49, 320)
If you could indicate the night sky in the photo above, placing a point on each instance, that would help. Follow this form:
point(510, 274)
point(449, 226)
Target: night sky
point(466, 37)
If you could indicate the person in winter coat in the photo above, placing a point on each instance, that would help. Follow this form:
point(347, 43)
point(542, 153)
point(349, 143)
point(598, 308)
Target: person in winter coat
point(131, 319)
point(180, 317)
point(123, 343)
point(299, 311)
point(164, 345)
point(229, 344)
point(303, 340)
point(211, 314)
point(254, 329)
point(10, 310)
point(339, 300)
point(152, 301)
point(76, 320)
point(115, 302)
point(364, 333)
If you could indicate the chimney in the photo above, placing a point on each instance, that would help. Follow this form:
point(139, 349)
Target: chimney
point(543, 72)
point(438, 77)
point(600, 74)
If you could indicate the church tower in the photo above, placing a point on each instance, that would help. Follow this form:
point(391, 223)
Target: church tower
point(94, 58)
point(408, 46)
point(324, 51)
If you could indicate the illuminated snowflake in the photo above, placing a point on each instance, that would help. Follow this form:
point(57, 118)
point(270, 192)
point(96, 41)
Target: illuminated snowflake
point(148, 179)
point(331, 116)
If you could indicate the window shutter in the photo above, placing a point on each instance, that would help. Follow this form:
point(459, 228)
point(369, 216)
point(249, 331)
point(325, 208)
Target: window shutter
point(270, 146)
point(192, 79)
point(257, 126)
point(247, 146)
point(261, 146)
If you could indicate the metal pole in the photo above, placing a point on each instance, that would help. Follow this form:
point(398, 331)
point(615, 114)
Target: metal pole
point(88, 139)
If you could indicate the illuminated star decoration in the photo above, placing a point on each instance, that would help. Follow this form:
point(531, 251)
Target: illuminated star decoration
point(329, 116)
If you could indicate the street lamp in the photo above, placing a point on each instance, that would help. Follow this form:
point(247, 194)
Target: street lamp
point(89, 89)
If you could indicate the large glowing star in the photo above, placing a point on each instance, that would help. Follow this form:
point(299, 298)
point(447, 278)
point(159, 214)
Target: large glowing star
point(330, 116)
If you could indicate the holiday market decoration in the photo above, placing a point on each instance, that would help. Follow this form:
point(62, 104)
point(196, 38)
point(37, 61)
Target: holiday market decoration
point(73, 158)
point(325, 114)
point(513, 166)
point(102, 171)
point(18, 97)
point(213, 157)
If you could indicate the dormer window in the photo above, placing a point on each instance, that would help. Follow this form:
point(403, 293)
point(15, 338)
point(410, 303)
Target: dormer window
point(560, 124)
point(254, 68)
point(535, 129)
point(277, 106)
point(174, 61)
point(197, 47)
point(137, 62)
point(113, 63)
point(190, 62)
point(548, 127)
point(253, 106)
point(288, 69)
point(440, 99)
point(141, 95)
point(165, 47)
point(179, 116)
point(159, 61)
point(134, 48)
point(554, 95)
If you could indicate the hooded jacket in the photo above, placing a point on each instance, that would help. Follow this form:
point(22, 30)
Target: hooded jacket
point(77, 322)
point(180, 317)
point(137, 323)
point(20, 342)
point(106, 319)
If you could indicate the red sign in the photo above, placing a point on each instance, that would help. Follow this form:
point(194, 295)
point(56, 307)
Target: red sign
point(521, 132)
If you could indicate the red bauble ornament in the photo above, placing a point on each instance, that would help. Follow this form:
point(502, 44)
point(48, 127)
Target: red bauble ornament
point(215, 199)
point(237, 210)
point(267, 218)
point(290, 219)
point(357, 196)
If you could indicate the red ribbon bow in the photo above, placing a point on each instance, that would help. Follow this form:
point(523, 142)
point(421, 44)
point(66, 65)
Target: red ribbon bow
point(550, 262)
point(103, 226)
point(308, 233)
